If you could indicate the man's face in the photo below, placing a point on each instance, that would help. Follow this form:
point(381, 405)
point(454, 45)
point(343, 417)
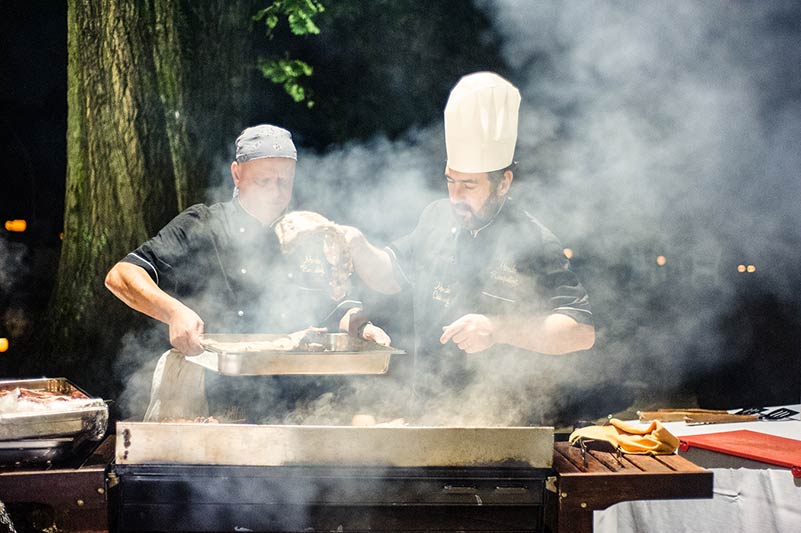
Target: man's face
point(474, 198)
point(265, 186)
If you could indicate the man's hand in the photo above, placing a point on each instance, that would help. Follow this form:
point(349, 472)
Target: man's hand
point(348, 233)
point(373, 333)
point(471, 333)
point(186, 327)
point(372, 264)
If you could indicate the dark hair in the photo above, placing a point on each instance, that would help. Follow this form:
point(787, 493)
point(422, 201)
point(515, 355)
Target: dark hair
point(496, 176)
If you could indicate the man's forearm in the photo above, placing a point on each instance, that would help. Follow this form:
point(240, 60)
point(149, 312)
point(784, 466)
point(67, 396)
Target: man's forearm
point(553, 334)
point(132, 285)
point(373, 265)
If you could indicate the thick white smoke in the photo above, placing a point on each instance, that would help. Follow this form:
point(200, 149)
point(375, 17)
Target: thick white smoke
point(661, 129)
point(646, 129)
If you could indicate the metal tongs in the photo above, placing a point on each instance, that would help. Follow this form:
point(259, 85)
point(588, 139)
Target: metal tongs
point(780, 413)
point(600, 445)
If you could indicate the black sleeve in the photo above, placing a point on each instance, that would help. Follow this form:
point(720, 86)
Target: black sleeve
point(337, 311)
point(562, 288)
point(173, 245)
point(404, 251)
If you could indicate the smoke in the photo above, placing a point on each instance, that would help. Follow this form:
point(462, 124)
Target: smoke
point(660, 106)
point(11, 257)
point(646, 130)
point(654, 129)
point(14, 320)
point(380, 186)
point(136, 361)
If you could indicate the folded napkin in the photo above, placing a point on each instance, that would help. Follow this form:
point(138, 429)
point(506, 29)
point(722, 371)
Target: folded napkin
point(178, 389)
point(652, 440)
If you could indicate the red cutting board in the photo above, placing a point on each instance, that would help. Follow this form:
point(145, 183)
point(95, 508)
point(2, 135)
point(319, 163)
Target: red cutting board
point(752, 445)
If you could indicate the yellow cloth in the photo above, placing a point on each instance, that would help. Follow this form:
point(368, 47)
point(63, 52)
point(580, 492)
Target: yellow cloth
point(653, 440)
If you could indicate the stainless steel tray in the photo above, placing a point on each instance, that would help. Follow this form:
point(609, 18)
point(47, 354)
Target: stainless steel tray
point(87, 417)
point(339, 354)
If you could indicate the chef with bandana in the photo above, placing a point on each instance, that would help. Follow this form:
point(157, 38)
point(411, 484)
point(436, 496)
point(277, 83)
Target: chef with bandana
point(220, 269)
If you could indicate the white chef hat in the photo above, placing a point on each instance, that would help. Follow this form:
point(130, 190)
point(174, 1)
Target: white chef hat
point(481, 123)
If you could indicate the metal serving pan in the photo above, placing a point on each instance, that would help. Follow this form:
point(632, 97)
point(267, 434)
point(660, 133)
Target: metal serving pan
point(86, 416)
point(338, 354)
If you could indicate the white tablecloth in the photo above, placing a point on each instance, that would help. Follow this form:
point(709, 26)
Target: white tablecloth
point(744, 499)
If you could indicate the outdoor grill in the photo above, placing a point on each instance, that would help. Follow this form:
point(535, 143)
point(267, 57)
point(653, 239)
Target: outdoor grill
point(237, 477)
point(240, 477)
point(191, 475)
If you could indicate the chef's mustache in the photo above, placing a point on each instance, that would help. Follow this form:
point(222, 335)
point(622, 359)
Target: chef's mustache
point(461, 206)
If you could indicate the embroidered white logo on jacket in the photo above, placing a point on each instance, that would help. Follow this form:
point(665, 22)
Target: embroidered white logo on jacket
point(506, 273)
point(442, 294)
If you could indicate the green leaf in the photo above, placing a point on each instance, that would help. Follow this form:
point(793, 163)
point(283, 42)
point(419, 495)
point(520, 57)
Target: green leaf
point(295, 91)
point(287, 72)
point(311, 27)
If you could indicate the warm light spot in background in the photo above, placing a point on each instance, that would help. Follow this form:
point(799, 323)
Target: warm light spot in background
point(661, 260)
point(17, 226)
point(751, 268)
point(3, 344)
point(568, 253)
point(61, 236)
point(740, 268)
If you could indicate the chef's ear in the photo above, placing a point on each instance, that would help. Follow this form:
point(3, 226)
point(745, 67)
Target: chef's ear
point(505, 183)
point(235, 173)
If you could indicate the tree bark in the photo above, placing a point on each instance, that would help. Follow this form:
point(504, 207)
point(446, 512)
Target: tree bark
point(156, 93)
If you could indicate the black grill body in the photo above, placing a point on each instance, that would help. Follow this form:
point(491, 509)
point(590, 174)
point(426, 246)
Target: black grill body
point(314, 498)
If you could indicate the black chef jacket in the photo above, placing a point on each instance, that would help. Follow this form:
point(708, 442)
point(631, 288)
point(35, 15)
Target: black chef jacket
point(511, 266)
point(228, 267)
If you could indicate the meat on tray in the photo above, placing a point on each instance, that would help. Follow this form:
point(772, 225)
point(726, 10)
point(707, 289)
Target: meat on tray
point(306, 340)
point(38, 395)
point(196, 420)
point(22, 399)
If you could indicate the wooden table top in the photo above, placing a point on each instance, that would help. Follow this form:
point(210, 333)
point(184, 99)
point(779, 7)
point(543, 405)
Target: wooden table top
point(594, 480)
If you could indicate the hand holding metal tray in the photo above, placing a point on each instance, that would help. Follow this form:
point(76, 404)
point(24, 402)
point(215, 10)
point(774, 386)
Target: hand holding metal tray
point(321, 353)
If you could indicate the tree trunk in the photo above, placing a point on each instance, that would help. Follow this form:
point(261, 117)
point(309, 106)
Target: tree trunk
point(155, 96)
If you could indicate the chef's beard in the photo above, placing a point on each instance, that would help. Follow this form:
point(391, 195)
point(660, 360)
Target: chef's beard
point(471, 219)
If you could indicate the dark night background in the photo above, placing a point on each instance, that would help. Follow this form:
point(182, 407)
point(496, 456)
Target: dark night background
point(758, 333)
